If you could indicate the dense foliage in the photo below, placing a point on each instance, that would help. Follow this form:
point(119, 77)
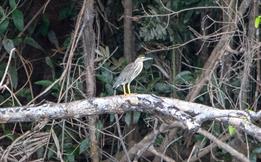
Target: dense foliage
point(179, 35)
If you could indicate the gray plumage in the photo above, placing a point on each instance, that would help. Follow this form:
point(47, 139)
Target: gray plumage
point(130, 72)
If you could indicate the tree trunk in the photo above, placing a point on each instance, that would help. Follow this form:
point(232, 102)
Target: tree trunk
point(246, 87)
point(89, 46)
point(128, 32)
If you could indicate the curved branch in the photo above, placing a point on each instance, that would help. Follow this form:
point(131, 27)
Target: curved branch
point(192, 115)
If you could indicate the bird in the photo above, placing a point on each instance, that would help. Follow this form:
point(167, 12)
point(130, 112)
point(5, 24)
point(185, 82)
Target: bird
point(129, 73)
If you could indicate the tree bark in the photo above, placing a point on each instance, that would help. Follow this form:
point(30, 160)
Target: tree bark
point(192, 115)
point(128, 32)
point(246, 88)
point(89, 46)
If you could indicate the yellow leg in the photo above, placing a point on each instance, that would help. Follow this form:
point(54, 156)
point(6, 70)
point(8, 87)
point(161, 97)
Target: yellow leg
point(124, 90)
point(128, 86)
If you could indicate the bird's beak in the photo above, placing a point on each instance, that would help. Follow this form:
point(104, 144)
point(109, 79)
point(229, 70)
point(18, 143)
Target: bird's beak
point(147, 58)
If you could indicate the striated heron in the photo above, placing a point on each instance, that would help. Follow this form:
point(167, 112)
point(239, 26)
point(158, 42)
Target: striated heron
point(129, 73)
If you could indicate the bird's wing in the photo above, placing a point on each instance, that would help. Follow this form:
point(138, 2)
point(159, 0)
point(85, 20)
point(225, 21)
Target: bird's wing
point(124, 75)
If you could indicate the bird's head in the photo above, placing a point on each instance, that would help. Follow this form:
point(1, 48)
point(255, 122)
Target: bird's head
point(142, 58)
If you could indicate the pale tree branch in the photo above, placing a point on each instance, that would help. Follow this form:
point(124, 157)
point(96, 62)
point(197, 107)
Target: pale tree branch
point(192, 115)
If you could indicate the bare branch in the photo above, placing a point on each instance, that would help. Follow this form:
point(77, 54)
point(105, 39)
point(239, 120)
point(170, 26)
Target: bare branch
point(223, 145)
point(192, 115)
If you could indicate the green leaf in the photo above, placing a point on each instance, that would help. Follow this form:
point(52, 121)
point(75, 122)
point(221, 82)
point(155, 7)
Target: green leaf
point(67, 42)
point(231, 130)
point(109, 89)
point(50, 152)
point(8, 45)
point(84, 145)
point(2, 13)
point(184, 77)
point(2, 98)
point(44, 27)
point(199, 137)
point(18, 19)
point(216, 129)
point(255, 152)
point(99, 126)
point(67, 12)
point(8, 133)
point(127, 118)
point(253, 158)
point(25, 93)
point(70, 158)
point(105, 77)
point(17, 40)
point(10, 136)
point(14, 76)
point(49, 62)
point(152, 82)
point(112, 118)
point(12, 4)
point(159, 140)
point(30, 41)
point(162, 88)
point(257, 21)
point(4, 26)
point(44, 83)
point(136, 116)
point(188, 16)
point(53, 39)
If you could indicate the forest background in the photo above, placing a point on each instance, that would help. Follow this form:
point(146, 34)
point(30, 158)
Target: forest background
point(203, 51)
